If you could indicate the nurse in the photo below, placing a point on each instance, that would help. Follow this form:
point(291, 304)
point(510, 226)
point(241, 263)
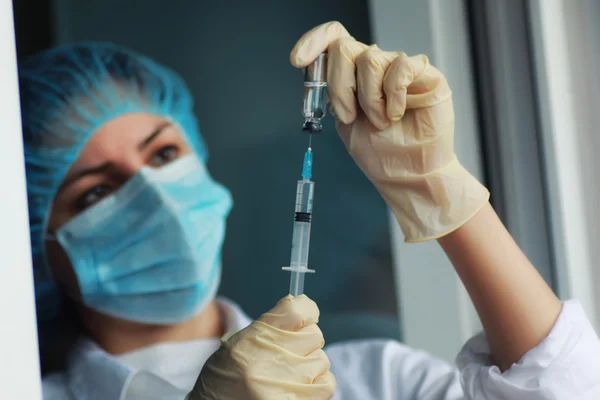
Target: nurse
point(127, 227)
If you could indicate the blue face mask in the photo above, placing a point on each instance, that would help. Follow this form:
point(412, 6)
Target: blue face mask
point(151, 252)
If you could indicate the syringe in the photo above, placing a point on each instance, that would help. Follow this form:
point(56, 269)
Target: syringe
point(301, 235)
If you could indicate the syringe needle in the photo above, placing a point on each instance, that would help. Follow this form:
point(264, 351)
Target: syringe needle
point(309, 139)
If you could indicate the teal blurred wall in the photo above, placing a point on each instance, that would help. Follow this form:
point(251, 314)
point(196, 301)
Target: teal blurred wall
point(234, 55)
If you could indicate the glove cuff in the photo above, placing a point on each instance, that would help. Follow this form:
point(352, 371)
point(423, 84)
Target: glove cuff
point(431, 206)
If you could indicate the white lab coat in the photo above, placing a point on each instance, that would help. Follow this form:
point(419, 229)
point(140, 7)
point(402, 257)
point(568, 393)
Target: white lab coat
point(566, 365)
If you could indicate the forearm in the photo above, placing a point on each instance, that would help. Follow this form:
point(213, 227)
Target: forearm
point(516, 306)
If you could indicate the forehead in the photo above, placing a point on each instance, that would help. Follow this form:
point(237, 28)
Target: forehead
point(119, 135)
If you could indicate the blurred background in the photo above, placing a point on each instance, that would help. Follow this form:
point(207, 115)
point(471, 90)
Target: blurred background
point(526, 91)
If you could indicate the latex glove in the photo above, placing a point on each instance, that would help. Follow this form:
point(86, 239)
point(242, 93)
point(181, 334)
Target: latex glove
point(279, 356)
point(395, 115)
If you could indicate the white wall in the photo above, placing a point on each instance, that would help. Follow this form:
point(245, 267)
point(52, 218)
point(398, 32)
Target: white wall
point(566, 34)
point(19, 366)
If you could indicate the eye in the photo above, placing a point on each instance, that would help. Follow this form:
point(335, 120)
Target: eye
point(92, 196)
point(164, 156)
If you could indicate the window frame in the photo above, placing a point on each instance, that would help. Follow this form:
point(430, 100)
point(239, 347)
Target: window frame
point(20, 371)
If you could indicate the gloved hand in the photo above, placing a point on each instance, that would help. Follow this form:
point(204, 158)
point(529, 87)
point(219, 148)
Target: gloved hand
point(395, 116)
point(279, 356)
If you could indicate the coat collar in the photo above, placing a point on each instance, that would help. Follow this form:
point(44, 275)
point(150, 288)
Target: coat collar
point(92, 373)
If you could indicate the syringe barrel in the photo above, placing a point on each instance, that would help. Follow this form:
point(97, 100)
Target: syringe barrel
point(302, 220)
point(304, 196)
point(300, 244)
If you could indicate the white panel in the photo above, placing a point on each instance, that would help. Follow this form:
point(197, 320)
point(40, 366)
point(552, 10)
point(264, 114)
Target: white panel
point(436, 313)
point(510, 126)
point(569, 101)
point(19, 365)
point(452, 55)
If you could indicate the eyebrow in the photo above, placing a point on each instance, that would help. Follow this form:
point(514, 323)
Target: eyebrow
point(108, 165)
point(159, 129)
point(88, 171)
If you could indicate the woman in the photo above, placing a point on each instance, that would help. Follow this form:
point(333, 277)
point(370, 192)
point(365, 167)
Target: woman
point(127, 224)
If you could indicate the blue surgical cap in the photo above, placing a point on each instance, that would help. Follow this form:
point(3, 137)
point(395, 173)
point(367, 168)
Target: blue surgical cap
point(66, 94)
